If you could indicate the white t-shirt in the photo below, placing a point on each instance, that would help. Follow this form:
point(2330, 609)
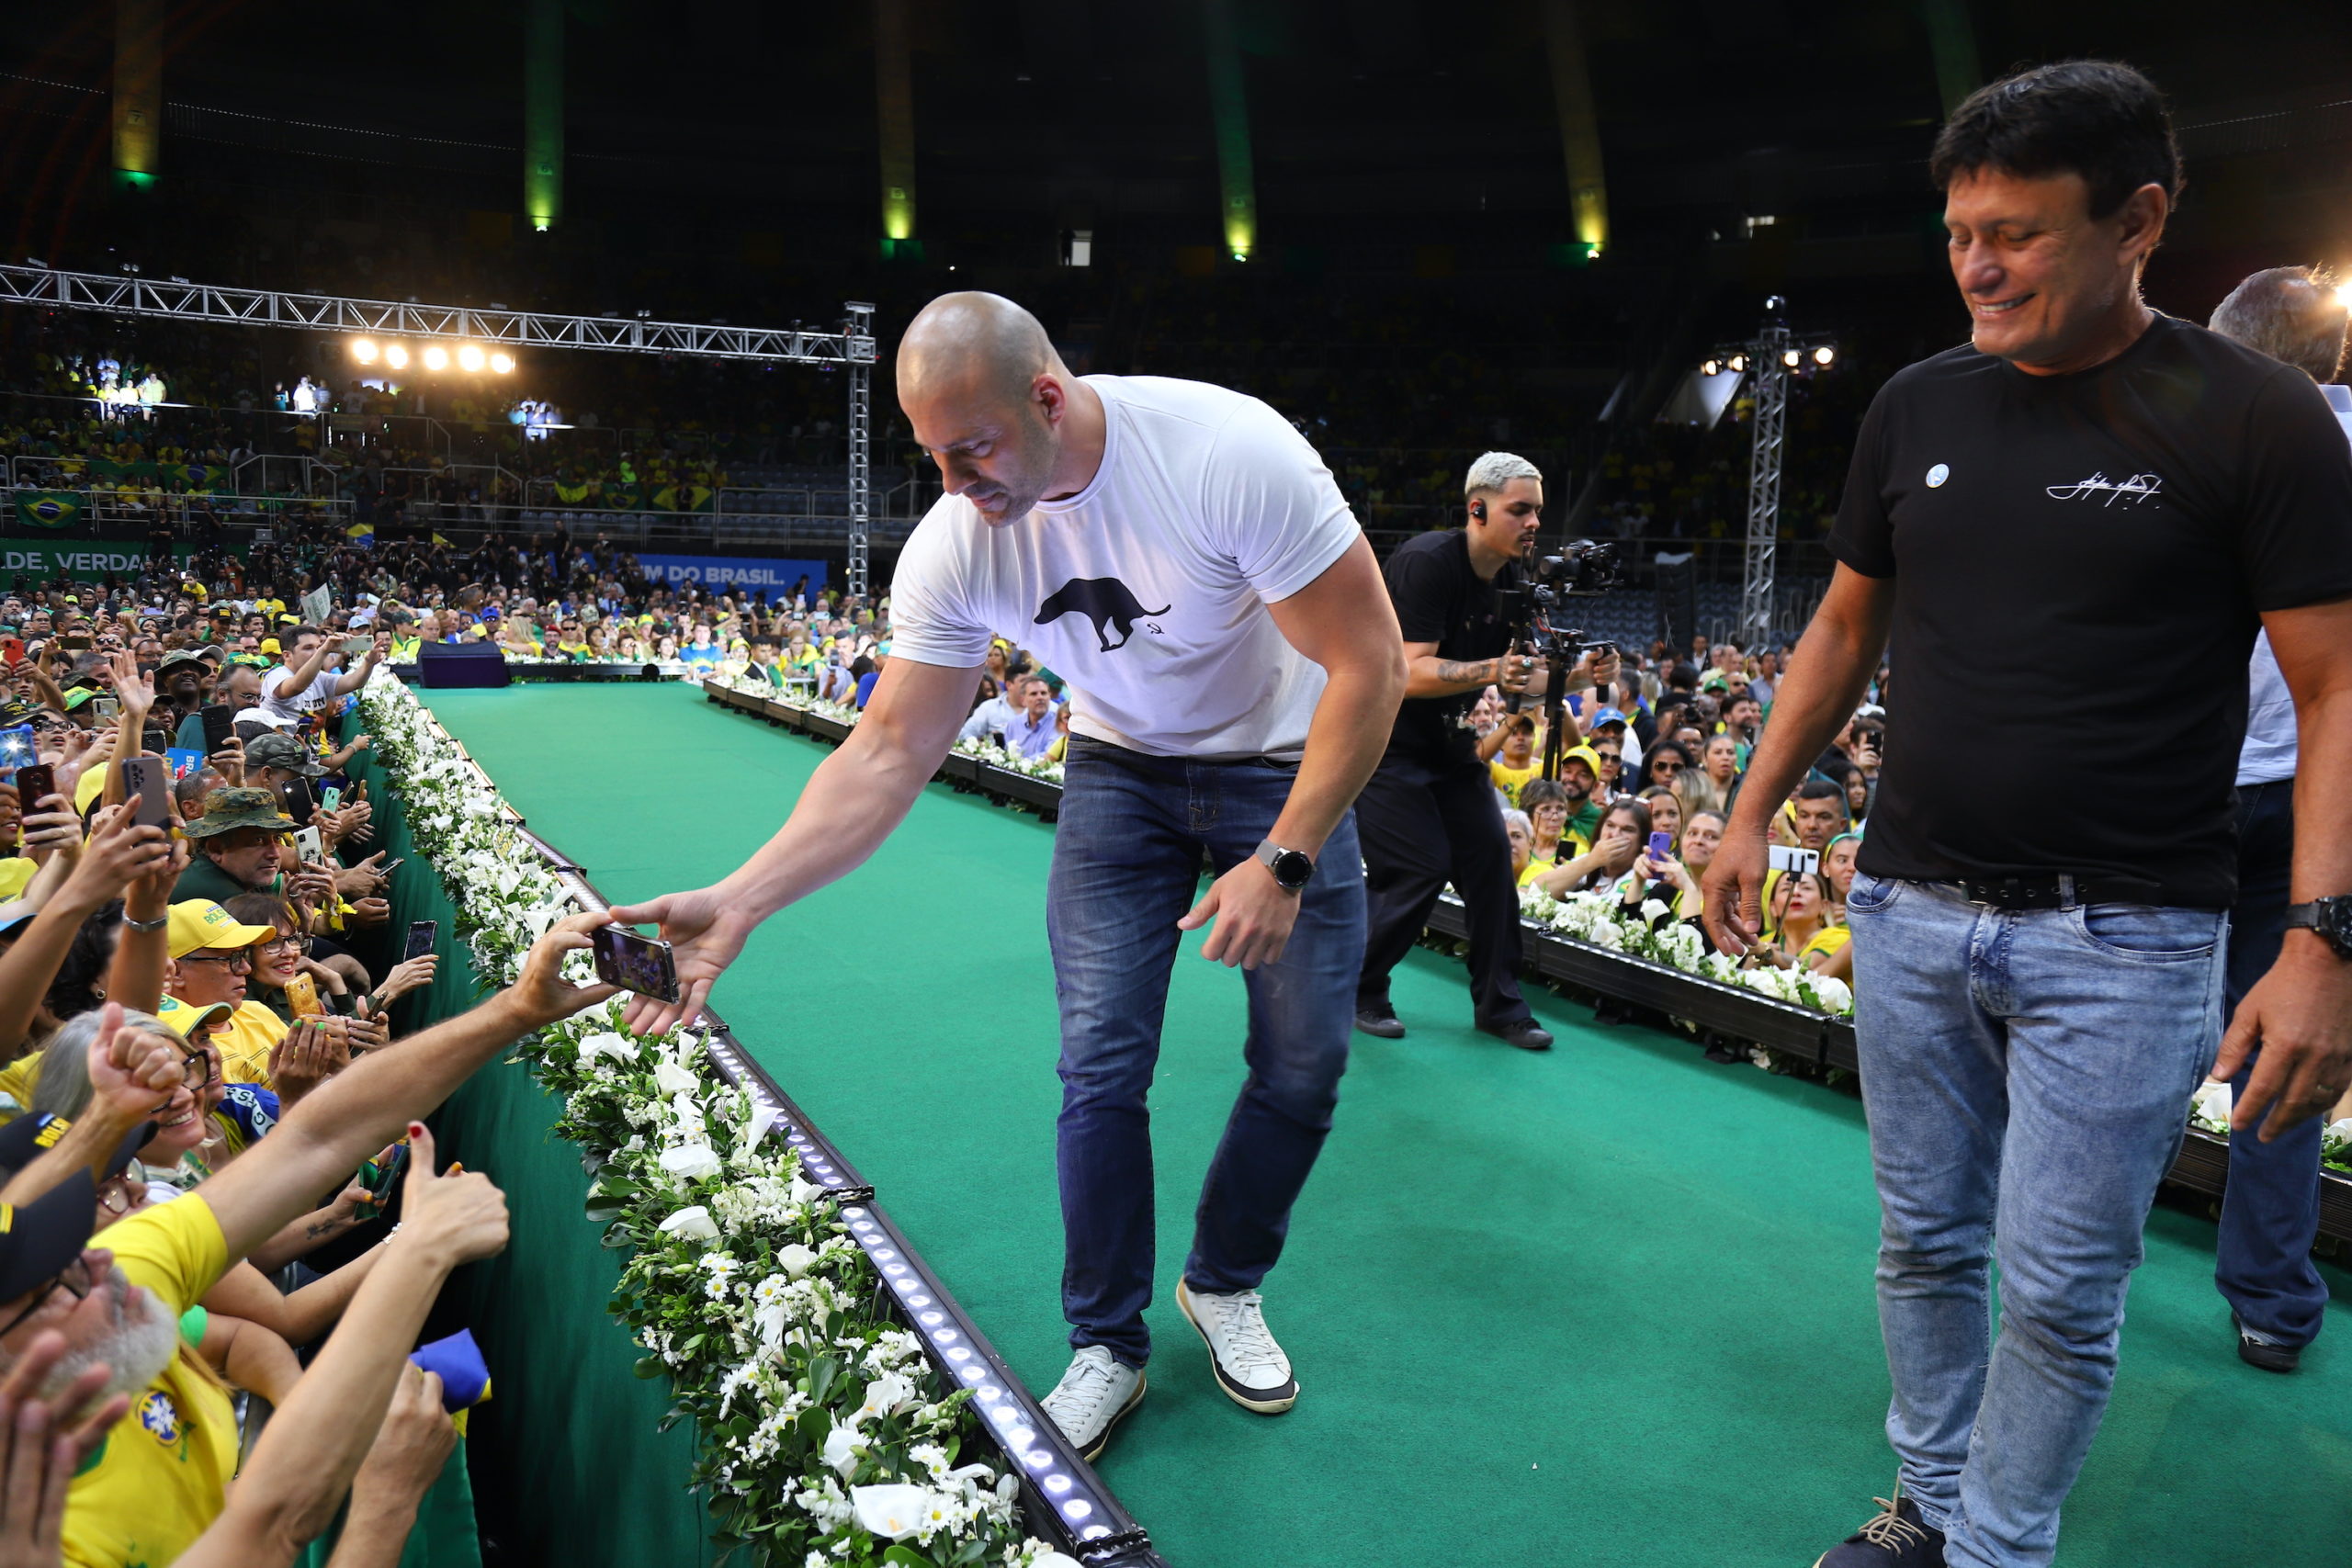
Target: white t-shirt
point(1147, 591)
point(277, 712)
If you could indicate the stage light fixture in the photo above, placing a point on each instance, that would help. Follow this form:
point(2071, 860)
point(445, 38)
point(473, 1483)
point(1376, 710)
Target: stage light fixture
point(2344, 295)
point(1737, 362)
point(1824, 354)
point(396, 356)
point(470, 357)
point(1791, 358)
point(436, 357)
point(503, 363)
point(364, 350)
point(1711, 367)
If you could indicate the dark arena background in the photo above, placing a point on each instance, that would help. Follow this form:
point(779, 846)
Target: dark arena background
point(588, 310)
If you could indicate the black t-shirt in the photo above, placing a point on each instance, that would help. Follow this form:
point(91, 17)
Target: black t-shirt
point(2078, 562)
point(1440, 598)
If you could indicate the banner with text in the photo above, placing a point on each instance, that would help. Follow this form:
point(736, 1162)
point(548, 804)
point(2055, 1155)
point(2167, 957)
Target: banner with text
point(746, 574)
point(88, 562)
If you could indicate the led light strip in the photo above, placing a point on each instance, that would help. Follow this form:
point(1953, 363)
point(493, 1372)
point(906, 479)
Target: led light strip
point(1057, 1484)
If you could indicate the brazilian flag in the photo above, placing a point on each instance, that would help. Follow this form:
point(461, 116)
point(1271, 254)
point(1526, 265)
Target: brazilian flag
point(52, 509)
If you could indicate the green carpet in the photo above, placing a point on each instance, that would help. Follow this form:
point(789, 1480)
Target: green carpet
point(1609, 1304)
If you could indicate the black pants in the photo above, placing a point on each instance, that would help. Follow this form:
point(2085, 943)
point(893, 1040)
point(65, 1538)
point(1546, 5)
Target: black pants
point(1421, 827)
point(2271, 1209)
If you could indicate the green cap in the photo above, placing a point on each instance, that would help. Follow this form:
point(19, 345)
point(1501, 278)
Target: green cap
point(226, 811)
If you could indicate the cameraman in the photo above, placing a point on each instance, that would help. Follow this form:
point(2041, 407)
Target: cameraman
point(1429, 815)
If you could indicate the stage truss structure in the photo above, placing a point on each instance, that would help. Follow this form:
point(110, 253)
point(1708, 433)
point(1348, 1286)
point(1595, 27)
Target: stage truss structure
point(1769, 359)
point(130, 293)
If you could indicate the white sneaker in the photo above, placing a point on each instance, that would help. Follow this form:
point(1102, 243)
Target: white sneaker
point(1250, 1367)
point(1091, 1397)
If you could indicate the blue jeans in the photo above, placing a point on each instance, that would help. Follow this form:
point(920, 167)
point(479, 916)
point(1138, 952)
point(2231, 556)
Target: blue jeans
point(2262, 1259)
point(2027, 1076)
point(1127, 856)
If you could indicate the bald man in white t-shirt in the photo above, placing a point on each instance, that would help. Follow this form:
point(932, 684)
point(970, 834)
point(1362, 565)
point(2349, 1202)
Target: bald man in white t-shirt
point(1180, 556)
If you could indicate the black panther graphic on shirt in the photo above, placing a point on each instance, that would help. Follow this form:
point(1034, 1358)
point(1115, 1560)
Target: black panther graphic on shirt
point(1105, 601)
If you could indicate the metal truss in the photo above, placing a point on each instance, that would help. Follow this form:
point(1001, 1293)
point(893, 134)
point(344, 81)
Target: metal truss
point(1771, 391)
point(129, 295)
point(860, 328)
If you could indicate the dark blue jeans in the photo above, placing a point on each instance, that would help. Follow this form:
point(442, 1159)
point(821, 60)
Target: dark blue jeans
point(2270, 1211)
point(1127, 857)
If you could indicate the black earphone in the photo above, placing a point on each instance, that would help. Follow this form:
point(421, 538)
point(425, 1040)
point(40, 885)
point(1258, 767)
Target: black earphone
point(1478, 510)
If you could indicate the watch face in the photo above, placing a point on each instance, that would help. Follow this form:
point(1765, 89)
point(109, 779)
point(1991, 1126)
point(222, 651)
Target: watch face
point(1292, 868)
point(2335, 923)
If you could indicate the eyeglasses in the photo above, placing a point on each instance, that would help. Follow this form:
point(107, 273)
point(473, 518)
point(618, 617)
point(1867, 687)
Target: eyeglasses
point(198, 1069)
point(241, 956)
point(295, 944)
point(1666, 766)
point(74, 1277)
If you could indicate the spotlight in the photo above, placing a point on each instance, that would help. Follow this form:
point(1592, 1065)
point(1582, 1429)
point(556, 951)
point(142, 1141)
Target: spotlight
point(1711, 367)
point(470, 357)
point(436, 357)
point(503, 363)
point(1824, 354)
point(2343, 295)
point(1737, 362)
point(396, 356)
point(364, 350)
point(1791, 358)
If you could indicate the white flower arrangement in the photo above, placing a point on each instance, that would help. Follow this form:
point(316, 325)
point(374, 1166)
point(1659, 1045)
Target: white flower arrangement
point(1600, 919)
point(996, 756)
point(2209, 1111)
point(826, 1437)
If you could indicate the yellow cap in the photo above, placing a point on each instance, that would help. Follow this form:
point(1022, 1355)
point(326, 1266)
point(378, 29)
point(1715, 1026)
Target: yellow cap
point(185, 1020)
point(200, 923)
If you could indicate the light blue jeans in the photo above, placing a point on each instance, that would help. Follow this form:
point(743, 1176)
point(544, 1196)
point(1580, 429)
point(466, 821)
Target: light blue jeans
point(2027, 1076)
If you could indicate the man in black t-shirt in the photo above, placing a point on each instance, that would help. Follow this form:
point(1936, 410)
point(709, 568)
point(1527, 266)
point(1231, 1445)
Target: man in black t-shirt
point(2072, 529)
point(1429, 813)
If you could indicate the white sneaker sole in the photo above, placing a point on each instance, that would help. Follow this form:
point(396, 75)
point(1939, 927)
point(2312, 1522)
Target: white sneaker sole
point(1262, 1407)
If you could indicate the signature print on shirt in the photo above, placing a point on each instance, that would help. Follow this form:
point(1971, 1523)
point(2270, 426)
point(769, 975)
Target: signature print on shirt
point(1110, 603)
point(2131, 491)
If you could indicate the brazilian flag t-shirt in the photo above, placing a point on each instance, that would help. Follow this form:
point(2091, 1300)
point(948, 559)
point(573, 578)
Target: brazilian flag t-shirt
point(163, 1476)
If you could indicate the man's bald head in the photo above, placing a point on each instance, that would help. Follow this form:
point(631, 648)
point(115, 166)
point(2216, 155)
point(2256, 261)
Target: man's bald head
point(975, 343)
point(991, 401)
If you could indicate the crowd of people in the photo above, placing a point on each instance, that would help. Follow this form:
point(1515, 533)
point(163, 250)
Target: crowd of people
point(227, 1226)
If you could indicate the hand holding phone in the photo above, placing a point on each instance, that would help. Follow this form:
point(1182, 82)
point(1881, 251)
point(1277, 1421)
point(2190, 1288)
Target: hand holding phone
point(146, 787)
point(634, 963)
point(1661, 847)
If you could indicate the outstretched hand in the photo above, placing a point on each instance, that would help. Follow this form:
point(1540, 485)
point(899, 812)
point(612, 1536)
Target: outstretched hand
point(704, 935)
point(540, 990)
point(1732, 894)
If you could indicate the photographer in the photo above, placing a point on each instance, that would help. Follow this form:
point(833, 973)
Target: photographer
point(1428, 817)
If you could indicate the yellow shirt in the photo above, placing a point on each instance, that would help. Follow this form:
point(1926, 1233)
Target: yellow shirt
point(1826, 941)
point(245, 1040)
point(1509, 778)
point(18, 1080)
point(163, 1476)
point(16, 872)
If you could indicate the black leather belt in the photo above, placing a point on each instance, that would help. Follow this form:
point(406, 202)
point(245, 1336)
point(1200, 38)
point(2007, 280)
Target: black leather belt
point(2057, 890)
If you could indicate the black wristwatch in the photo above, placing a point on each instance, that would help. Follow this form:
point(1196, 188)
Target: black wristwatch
point(2332, 917)
point(1292, 868)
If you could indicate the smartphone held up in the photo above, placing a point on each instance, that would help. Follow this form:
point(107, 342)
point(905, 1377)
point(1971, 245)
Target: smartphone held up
point(634, 963)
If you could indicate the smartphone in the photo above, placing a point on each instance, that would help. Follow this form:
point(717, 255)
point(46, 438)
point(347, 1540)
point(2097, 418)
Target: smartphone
point(219, 724)
point(352, 648)
point(301, 804)
point(303, 996)
point(146, 785)
point(1788, 857)
point(1661, 847)
point(634, 963)
point(381, 1177)
point(330, 798)
point(33, 781)
point(393, 865)
point(106, 708)
point(76, 641)
point(307, 844)
point(422, 936)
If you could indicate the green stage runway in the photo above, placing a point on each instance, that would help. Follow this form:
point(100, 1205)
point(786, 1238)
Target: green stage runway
point(1609, 1304)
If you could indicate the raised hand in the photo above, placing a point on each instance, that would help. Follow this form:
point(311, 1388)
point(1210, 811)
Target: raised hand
point(704, 937)
point(458, 1217)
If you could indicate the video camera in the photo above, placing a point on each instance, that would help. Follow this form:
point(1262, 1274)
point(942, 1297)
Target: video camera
point(1582, 569)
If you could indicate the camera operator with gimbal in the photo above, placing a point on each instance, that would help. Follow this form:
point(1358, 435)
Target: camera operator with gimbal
point(1429, 813)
